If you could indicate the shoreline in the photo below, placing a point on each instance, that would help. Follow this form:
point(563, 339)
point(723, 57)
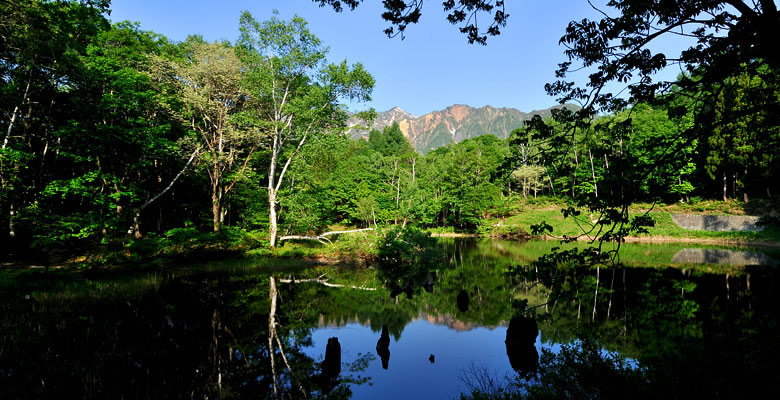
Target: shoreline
point(326, 258)
point(631, 239)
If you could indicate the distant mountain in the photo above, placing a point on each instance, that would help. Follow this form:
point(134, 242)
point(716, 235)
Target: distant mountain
point(453, 124)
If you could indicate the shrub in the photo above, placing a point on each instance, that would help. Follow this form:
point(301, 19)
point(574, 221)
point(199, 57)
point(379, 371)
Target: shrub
point(408, 255)
point(360, 244)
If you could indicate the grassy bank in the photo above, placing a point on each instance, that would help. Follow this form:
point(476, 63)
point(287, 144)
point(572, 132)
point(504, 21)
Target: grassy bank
point(187, 245)
point(519, 221)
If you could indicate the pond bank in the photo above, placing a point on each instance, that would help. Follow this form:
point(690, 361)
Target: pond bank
point(633, 239)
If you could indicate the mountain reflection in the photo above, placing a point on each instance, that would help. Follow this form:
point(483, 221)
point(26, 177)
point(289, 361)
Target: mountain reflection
point(695, 332)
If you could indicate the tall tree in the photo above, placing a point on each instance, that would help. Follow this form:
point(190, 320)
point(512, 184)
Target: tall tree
point(213, 98)
point(296, 92)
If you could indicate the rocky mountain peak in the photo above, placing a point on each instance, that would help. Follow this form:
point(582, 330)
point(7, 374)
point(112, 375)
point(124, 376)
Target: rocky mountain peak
point(399, 113)
point(455, 123)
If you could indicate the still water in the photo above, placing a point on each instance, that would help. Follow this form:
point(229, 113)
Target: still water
point(671, 321)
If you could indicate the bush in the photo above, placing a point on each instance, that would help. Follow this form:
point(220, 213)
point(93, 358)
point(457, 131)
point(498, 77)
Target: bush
point(408, 255)
point(360, 244)
point(143, 249)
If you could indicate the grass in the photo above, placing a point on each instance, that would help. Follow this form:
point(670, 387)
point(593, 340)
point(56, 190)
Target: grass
point(357, 247)
point(715, 207)
point(522, 218)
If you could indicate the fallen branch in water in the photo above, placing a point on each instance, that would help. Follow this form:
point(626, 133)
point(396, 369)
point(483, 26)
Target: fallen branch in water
point(322, 238)
point(325, 282)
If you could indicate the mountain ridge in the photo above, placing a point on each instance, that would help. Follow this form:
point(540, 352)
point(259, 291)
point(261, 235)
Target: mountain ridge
point(455, 123)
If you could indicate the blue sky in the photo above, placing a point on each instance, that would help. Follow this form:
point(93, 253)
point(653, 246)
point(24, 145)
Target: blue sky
point(434, 66)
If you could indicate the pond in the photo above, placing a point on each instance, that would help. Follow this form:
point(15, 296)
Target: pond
point(671, 320)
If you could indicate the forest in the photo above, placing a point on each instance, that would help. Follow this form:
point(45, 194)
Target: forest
point(112, 133)
point(194, 218)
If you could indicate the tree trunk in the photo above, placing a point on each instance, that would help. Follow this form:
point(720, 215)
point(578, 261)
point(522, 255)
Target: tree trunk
point(275, 183)
point(574, 174)
point(272, 332)
point(224, 213)
point(679, 182)
point(215, 206)
point(10, 127)
point(596, 294)
point(725, 187)
point(593, 174)
point(215, 211)
point(16, 109)
point(215, 197)
point(525, 188)
point(611, 286)
point(414, 163)
point(273, 229)
point(549, 179)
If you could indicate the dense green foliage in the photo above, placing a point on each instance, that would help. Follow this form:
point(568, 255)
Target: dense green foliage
point(408, 256)
point(114, 132)
point(723, 102)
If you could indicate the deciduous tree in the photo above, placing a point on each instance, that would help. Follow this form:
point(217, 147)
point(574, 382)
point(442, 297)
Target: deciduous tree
point(296, 92)
point(213, 97)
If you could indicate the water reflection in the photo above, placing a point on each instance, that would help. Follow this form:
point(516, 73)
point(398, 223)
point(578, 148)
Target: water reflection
point(463, 301)
point(521, 346)
point(722, 256)
point(696, 333)
point(331, 365)
point(428, 284)
point(383, 347)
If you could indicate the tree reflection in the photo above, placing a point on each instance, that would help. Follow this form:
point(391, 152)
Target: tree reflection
point(203, 336)
point(695, 331)
point(521, 346)
point(383, 347)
